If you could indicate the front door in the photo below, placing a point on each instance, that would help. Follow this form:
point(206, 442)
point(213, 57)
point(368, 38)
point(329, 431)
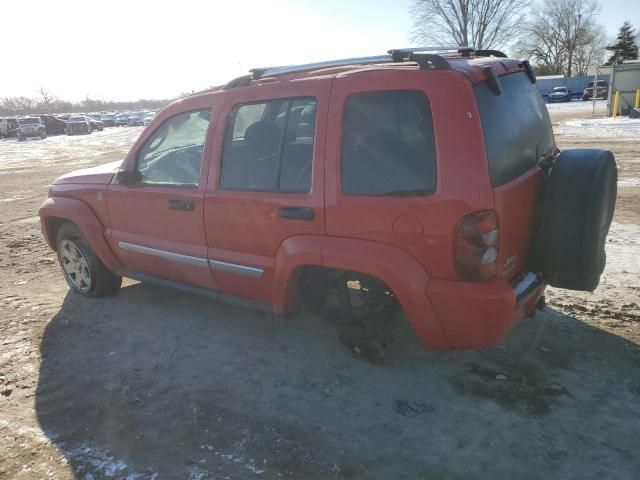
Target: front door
point(265, 184)
point(156, 223)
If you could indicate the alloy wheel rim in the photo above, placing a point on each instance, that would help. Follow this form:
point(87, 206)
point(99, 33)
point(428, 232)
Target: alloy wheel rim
point(75, 266)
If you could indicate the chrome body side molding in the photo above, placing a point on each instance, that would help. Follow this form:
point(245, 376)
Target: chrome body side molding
point(198, 261)
point(235, 268)
point(176, 257)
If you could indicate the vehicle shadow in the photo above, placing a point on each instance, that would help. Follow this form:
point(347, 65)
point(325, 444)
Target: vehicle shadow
point(154, 383)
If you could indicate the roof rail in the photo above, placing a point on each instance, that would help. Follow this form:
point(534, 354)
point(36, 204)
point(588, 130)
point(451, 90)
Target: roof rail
point(393, 55)
point(419, 55)
point(268, 72)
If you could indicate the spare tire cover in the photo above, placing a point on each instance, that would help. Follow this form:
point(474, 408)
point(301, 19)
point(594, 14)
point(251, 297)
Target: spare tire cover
point(578, 202)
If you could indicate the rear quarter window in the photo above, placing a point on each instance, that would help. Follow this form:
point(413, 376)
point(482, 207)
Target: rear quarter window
point(516, 125)
point(388, 144)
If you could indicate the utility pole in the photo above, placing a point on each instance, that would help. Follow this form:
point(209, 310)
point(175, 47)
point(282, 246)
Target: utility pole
point(574, 44)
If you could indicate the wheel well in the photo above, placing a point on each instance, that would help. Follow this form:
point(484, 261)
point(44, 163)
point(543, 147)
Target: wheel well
point(52, 225)
point(312, 283)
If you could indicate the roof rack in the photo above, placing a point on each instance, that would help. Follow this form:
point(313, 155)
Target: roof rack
point(393, 55)
point(425, 57)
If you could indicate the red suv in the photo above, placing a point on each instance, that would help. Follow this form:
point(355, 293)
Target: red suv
point(429, 180)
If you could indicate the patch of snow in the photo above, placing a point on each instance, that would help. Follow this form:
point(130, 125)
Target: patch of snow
point(629, 182)
point(233, 458)
point(623, 256)
point(94, 462)
point(196, 473)
point(614, 128)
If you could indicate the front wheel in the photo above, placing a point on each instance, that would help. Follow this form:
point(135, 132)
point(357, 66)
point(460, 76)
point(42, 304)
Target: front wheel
point(83, 270)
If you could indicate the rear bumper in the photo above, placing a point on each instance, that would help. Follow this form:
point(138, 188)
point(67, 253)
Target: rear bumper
point(479, 315)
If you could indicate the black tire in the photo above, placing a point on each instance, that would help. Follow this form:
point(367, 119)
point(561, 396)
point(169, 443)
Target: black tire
point(102, 281)
point(577, 208)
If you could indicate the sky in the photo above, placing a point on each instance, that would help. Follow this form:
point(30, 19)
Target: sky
point(126, 50)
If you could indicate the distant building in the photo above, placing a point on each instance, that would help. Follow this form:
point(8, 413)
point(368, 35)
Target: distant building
point(625, 78)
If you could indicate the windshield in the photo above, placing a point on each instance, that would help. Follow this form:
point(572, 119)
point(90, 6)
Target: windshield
point(516, 125)
point(29, 121)
point(107, 117)
point(77, 119)
point(560, 89)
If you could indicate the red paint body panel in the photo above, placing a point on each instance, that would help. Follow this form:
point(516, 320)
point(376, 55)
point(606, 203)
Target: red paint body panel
point(294, 253)
point(100, 175)
point(85, 220)
point(478, 315)
point(462, 173)
point(515, 203)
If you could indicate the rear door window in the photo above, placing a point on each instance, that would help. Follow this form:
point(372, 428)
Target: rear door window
point(516, 125)
point(269, 146)
point(388, 144)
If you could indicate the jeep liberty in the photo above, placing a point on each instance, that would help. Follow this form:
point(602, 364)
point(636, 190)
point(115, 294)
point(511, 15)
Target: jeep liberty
point(430, 181)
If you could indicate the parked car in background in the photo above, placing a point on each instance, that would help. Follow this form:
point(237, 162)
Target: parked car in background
point(135, 118)
point(560, 94)
point(94, 124)
point(328, 186)
point(8, 126)
point(121, 119)
point(78, 125)
point(53, 125)
point(30, 127)
point(602, 90)
point(108, 120)
point(148, 117)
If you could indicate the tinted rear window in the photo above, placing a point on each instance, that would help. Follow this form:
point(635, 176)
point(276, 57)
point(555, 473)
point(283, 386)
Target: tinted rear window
point(517, 129)
point(388, 145)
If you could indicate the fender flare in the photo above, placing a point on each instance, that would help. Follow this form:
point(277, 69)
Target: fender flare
point(400, 271)
point(81, 215)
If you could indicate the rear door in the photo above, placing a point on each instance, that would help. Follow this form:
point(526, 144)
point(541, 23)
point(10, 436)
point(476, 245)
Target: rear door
point(266, 180)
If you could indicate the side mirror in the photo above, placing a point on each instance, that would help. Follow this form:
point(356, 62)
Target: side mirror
point(128, 177)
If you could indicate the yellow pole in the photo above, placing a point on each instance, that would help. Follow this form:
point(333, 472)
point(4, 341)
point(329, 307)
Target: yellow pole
point(616, 103)
point(638, 98)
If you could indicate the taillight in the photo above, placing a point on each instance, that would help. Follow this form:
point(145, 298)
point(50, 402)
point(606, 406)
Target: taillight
point(476, 243)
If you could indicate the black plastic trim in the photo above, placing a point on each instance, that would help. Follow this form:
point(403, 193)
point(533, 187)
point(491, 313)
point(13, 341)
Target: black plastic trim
point(490, 53)
point(214, 294)
point(428, 61)
point(529, 69)
point(492, 80)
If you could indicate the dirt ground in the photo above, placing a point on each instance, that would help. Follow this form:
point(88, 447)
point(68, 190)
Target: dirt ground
point(157, 384)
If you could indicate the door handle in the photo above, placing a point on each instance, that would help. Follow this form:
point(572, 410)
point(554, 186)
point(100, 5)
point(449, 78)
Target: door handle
point(186, 205)
point(296, 213)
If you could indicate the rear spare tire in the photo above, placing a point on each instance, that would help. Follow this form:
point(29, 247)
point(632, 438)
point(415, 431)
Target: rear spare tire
point(577, 208)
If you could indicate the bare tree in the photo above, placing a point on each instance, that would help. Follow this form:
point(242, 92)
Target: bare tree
point(590, 51)
point(563, 35)
point(482, 24)
point(48, 100)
